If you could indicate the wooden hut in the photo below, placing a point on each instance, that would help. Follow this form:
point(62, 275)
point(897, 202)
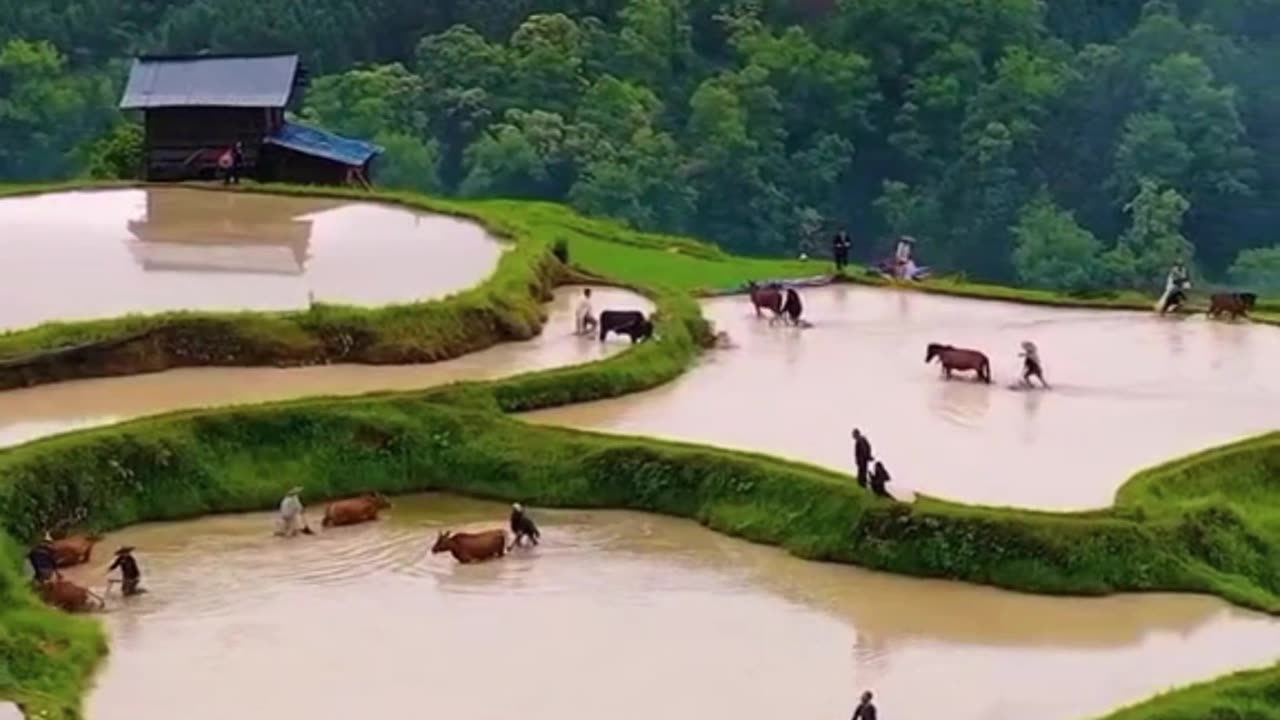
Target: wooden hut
point(195, 107)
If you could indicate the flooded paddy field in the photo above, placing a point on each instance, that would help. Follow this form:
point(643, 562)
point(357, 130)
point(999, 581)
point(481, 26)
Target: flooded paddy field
point(105, 253)
point(1129, 390)
point(616, 614)
point(31, 413)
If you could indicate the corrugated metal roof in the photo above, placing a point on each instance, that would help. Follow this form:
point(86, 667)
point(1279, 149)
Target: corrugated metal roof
point(212, 81)
point(319, 143)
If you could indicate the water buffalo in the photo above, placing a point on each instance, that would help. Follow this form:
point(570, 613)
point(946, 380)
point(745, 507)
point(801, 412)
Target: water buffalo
point(68, 596)
point(769, 297)
point(1234, 304)
point(626, 322)
point(74, 549)
point(472, 547)
point(354, 510)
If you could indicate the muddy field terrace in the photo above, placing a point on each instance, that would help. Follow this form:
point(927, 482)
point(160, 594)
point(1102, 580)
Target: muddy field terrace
point(176, 359)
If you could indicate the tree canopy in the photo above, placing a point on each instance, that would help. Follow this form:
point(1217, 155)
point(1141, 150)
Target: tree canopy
point(1063, 143)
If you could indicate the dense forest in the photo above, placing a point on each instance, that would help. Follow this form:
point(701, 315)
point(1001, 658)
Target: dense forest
point(1070, 144)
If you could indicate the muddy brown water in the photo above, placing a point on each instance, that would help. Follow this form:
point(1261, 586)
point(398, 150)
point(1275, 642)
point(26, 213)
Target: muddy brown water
point(1130, 390)
point(31, 413)
point(106, 253)
point(617, 615)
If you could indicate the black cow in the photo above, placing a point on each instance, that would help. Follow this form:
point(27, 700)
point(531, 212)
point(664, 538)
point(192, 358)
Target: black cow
point(626, 322)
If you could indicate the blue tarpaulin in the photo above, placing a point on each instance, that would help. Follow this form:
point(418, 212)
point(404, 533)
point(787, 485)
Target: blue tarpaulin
point(319, 143)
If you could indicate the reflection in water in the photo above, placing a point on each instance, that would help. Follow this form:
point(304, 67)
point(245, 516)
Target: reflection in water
point(1175, 329)
point(1121, 399)
point(44, 410)
point(962, 403)
point(223, 232)
point(114, 252)
point(722, 628)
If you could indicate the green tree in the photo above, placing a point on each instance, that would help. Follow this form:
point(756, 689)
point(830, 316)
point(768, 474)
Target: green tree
point(408, 163)
point(654, 44)
point(464, 79)
point(531, 154)
point(642, 183)
point(1150, 149)
point(1154, 240)
point(116, 155)
point(618, 109)
point(1207, 120)
point(1051, 249)
point(367, 101)
point(547, 64)
point(1257, 269)
point(46, 111)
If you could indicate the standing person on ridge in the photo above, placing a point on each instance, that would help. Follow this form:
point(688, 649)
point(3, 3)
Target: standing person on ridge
point(866, 709)
point(840, 250)
point(880, 478)
point(861, 456)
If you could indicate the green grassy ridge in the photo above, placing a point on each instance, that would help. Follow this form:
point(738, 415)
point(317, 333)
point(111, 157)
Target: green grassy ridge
point(417, 332)
point(1204, 546)
point(1249, 695)
point(243, 459)
point(507, 306)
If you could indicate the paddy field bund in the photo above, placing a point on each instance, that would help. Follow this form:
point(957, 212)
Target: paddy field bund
point(1203, 524)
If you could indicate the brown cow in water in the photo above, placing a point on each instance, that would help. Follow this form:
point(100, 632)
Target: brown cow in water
point(354, 510)
point(472, 547)
point(68, 596)
point(768, 297)
point(74, 550)
point(1234, 304)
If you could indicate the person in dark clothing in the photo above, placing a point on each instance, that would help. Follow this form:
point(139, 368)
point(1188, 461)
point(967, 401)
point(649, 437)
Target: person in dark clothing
point(880, 478)
point(866, 709)
point(522, 526)
point(861, 455)
point(129, 571)
point(840, 250)
point(792, 307)
point(232, 161)
point(44, 564)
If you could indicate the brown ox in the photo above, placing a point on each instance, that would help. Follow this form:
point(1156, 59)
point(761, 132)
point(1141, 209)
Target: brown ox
point(354, 510)
point(1234, 304)
point(68, 596)
point(472, 547)
point(74, 550)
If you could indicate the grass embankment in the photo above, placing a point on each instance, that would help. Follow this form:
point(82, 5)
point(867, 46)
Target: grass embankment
point(1175, 528)
point(503, 308)
point(698, 268)
point(1252, 695)
point(220, 461)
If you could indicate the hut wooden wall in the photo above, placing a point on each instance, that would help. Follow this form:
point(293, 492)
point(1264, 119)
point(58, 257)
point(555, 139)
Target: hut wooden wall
point(183, 143)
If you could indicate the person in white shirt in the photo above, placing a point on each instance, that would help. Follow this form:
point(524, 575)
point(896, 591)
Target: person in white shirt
point(1175, 287)
point(585, 320)
point(291, 520)
point(902, 257)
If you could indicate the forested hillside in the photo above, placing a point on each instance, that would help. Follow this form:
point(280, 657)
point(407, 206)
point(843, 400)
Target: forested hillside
point(1071, 144)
